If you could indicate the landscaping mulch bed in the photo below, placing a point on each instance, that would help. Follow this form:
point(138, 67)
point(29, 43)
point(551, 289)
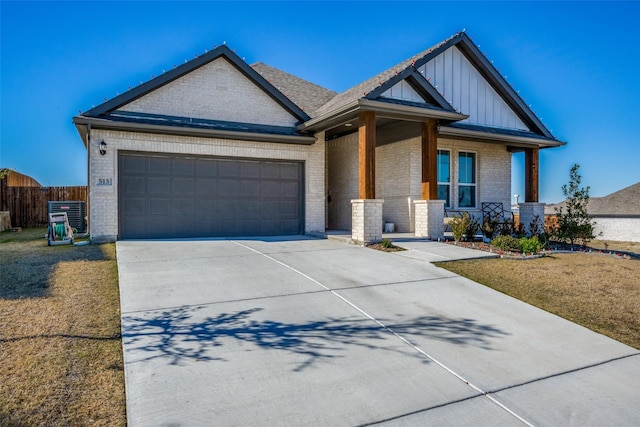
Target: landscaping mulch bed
point(555, 247)
point(385, 247)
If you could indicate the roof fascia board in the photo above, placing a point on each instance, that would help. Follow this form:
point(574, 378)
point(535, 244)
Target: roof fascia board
point(406, 112)
point(97, 123)
point(375, 93)
point(385, 109)
point(498, 82)
point(171, 75)
point(496, 137)
point(419, 83)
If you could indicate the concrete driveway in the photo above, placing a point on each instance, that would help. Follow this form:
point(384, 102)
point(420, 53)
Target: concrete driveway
point(305, 331)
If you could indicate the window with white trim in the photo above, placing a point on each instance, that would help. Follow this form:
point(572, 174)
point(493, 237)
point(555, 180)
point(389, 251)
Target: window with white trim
point(444, 177)
point(467, 180)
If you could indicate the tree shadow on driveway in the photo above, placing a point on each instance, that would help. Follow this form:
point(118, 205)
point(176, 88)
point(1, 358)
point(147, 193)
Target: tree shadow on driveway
point(183, 334)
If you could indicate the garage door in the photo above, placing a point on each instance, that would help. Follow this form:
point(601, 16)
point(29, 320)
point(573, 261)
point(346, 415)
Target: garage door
point(168, 196)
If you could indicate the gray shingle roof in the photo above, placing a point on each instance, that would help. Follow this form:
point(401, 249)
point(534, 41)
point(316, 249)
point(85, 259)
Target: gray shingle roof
point(306, 95)
point(625, 202)
point(363, 89)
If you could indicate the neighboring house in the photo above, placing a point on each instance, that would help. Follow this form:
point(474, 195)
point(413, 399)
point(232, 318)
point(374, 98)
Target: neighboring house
point(617, 216)
point(215, 147)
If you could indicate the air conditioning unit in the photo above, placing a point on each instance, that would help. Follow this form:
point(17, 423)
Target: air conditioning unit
point(75, 211)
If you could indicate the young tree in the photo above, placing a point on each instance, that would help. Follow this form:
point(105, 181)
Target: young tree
point(573, 222)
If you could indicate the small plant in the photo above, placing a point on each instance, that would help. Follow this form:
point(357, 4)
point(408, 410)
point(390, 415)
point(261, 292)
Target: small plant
point(531, 245)
point(472, 229)
point(506, 243)
point(504, 229)
point(490, 226)
point(459, 225)
point(386, 243)
point(537, 229)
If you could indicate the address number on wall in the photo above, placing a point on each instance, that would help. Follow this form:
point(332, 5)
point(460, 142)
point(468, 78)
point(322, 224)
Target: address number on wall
point(104, 181)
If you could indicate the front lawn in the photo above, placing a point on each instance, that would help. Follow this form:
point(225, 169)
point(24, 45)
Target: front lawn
point(61, 351)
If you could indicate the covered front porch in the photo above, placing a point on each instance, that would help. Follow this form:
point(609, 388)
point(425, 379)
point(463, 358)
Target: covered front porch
point(383, 167)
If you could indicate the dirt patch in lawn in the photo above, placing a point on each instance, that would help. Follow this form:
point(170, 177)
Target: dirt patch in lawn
point(61, 359)
point(599, 292)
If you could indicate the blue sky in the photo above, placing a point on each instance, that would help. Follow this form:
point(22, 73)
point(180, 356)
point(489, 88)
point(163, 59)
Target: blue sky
point(576, 63)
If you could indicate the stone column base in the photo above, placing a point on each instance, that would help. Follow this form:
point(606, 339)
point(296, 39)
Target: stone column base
point(528, 211)
point(366, 221)
point(429, 219)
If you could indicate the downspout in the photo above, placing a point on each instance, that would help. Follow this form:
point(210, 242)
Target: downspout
point(89, 180)
point(88, 143)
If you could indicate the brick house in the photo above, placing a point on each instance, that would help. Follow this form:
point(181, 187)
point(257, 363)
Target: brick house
point(216, 147)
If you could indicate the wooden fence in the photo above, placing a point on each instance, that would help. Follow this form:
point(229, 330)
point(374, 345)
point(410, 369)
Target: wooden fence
point(28, 205)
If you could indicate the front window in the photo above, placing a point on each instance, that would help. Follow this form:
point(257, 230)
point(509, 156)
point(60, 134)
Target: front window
point(466, 180)
point(444, 177)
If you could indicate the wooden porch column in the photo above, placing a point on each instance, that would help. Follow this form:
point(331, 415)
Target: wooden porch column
point(367, 155)
point(531, 174)
point(429, 160)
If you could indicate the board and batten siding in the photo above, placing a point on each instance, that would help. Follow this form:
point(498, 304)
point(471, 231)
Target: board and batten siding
point(464, 88)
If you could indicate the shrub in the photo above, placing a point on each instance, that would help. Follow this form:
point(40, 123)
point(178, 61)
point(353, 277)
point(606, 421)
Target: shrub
point(490, 226)
point(506, 243)
point(386, 243)
point(472, 229)
point(518, 230)
point(504, 229)
point(530, 245)
point(459, 225)
point(537, 229)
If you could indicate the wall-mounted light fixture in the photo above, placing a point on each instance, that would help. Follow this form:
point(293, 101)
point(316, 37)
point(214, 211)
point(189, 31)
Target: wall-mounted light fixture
point(103, 148)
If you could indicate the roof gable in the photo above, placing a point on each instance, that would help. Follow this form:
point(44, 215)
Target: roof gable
point(468, 91)
point(220, 59)
point(507, 110)
point(215, 91)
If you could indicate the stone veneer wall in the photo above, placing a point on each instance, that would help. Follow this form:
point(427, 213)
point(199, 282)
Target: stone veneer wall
point(103, 199)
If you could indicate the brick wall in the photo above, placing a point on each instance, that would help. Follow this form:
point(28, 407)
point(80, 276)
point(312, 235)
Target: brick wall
point(216, 91)
point(103, 199)
point(399, 177)
point(493, 171)
point(620, 229)
point(393, 174)
point(342, 180)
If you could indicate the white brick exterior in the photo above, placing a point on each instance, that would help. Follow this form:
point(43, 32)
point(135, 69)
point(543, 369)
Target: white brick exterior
point(216, 91)
point(620, 229)
point(399, 177)
point(103, 199)
point(430, 218)
point(366, 220)
point(342, 180)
